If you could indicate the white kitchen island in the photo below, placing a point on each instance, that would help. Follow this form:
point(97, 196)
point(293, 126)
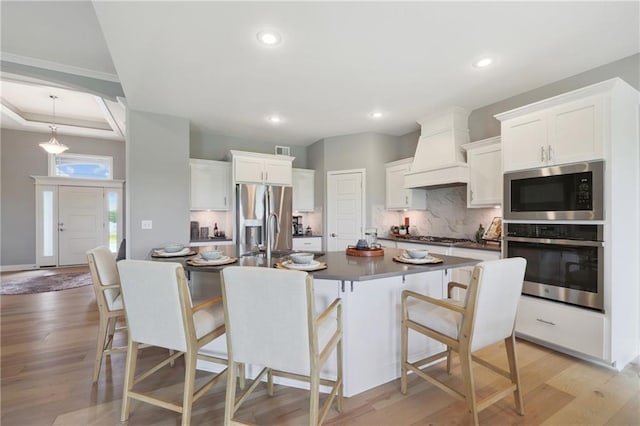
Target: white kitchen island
point(370, 289)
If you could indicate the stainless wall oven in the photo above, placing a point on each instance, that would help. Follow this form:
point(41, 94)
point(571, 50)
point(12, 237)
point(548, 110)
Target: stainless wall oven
point(565, 262)
point(568, 192)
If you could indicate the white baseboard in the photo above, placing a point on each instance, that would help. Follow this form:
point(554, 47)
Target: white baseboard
point(5, 268)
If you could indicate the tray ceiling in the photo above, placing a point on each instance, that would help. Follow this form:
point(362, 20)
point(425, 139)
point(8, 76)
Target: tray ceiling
point(337, 62)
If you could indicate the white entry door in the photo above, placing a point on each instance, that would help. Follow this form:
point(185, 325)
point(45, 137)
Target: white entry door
point(80, 223)
point(345, 211)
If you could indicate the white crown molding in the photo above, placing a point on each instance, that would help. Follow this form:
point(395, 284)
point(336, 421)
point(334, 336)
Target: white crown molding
point(63, 129)
point(54, 66)
point(109, 116)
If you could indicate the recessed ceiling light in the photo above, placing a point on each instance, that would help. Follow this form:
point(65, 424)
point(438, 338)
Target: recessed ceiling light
point(269, 38)
point(274, 119)
point(484, 62)
point(376, 114)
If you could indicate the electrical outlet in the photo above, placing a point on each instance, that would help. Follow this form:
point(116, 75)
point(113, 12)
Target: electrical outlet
point(147, 224)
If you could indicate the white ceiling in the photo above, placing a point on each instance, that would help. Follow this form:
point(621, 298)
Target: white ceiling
point(338, 61)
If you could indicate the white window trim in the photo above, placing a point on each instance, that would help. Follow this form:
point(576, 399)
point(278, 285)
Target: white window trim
point(52, 163)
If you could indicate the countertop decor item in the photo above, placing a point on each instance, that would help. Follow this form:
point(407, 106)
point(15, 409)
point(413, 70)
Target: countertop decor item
point(364, 252)
point(224, 260)
point(479, 234)
point(301, 258)
point(494, 233)
point(417, 253)
point(313, 266)
point(423, 261)
point(211, 254)
point(173, 248)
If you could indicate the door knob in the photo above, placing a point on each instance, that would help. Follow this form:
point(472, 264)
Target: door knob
point(61, 229)
point(333, 235)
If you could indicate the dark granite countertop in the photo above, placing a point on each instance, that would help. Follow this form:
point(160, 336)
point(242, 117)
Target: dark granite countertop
point(211, 240)
point(340, 266)
point(307, 236)
point(490, 246)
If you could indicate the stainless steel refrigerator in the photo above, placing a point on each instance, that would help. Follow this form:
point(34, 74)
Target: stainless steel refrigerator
point(255, 203)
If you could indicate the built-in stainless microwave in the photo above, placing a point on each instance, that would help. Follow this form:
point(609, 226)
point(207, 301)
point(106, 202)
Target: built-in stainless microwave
point(568, 192)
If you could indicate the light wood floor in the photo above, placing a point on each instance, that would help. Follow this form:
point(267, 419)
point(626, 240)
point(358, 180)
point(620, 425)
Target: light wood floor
point(48, 348)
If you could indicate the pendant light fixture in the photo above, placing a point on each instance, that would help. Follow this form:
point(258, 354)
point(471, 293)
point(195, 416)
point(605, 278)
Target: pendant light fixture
point(53, 146)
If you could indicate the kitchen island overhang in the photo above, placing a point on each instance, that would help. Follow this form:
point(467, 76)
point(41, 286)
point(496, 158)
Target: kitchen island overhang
point(370, 289)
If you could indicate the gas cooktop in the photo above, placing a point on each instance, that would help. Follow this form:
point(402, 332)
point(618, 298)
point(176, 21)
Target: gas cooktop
point(444, 240)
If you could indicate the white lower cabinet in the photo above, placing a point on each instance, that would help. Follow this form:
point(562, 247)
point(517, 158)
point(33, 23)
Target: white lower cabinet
point(576, 329)
point(308, 243)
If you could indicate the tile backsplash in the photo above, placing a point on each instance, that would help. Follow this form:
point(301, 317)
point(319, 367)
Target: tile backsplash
point(446, 215)
point(210, 218)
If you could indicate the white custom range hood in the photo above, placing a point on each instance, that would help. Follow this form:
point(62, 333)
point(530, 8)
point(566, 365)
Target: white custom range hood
point(439, 159)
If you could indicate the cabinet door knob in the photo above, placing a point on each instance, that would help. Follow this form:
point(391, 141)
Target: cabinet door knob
point(406, 200)
point(471, 195)
point(333, 235)
point(542, 153)
point(549, 152)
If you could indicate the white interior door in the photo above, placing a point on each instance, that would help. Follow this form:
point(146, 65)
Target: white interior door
point(80, 223)
point(345, 211)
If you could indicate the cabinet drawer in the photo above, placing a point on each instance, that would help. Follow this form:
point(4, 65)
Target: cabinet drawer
point(573, 328)
point(310, 244)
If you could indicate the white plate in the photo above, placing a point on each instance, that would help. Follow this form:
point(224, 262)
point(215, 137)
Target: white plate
point(301, 266)
point(424, 260)
point(163, 253)
point(217, 261)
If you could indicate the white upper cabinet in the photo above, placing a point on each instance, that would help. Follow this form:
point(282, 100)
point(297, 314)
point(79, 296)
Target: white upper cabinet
point(524, 141)
point(575, 131)
point(210, 184)
point(396, 196)
point(251, 167)
point(303, 190)
point(484, 158)
point(564, 129)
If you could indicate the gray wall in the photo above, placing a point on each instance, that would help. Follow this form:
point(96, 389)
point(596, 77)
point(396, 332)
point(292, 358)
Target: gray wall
point(316, 162)
point(21, 158)
point(209, 145)
point(483, 125)
point(157, 181)
point(367, 151)
point(407, 145)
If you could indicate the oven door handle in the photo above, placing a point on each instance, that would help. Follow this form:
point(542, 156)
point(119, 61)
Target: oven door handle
point(557, 242)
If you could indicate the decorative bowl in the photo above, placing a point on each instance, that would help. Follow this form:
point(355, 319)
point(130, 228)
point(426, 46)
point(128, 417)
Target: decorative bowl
point(173, 248)
point(211, 254)
point(301, 258)
point(417, 253)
